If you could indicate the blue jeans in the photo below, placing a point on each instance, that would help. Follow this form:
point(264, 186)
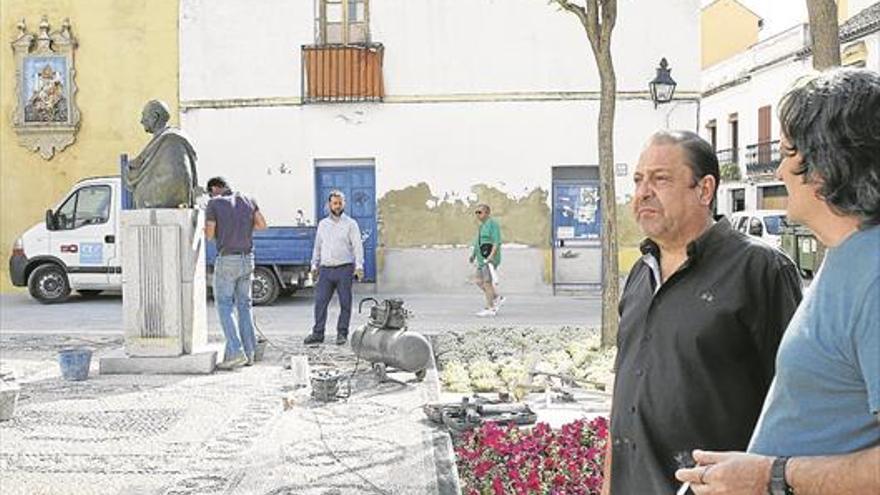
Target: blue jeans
point(330, 279)
point(233, 275)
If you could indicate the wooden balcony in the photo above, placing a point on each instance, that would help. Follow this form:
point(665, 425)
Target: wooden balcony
point(342, 73)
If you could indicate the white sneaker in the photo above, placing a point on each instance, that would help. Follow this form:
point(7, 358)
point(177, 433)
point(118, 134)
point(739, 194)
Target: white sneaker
point(499, 301)
point(487, 312)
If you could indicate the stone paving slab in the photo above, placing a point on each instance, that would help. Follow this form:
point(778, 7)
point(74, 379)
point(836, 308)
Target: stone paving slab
point(225, 433)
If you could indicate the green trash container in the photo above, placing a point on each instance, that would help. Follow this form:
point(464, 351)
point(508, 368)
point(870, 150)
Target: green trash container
point(802, 246)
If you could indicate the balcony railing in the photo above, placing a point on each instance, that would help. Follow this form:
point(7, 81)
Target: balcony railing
point(730, 155)
point(762, 159)
point(342, 73)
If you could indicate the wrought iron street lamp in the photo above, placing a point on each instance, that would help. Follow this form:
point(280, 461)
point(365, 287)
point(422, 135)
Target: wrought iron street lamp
point(663, 86)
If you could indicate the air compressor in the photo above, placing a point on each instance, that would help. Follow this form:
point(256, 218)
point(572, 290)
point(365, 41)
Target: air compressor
point(385, 341)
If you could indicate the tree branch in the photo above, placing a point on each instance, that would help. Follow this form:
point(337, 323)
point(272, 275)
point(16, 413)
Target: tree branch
point(574, 9)
point(598, 32)
point(609, 18)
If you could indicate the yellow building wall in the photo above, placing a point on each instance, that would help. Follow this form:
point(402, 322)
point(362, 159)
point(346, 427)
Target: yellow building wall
point(727, 28)
point(127, 55)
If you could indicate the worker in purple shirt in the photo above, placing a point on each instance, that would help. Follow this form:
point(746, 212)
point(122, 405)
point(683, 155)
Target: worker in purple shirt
point(337, 258)
point(230, 219)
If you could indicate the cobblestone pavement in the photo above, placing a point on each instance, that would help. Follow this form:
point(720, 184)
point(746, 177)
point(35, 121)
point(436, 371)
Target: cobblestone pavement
point(225, 433)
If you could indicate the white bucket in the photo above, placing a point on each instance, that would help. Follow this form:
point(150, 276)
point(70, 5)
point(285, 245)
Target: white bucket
point(299, 364)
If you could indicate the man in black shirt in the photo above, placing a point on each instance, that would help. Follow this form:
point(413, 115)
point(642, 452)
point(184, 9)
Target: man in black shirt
point(701, 317)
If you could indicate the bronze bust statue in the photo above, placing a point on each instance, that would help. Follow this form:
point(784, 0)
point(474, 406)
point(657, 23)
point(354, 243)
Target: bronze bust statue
point(163, 175)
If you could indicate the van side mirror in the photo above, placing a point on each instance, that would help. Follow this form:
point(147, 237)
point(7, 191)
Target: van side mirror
point(51, 222)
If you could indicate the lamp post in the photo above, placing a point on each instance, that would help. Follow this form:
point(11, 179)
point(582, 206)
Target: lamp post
point(663, 86)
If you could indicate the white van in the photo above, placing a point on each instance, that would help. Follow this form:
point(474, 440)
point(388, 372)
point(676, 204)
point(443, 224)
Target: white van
point(75, 247)
point(764, 224)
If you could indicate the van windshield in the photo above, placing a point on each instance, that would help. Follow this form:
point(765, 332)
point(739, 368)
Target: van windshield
point(774, 224)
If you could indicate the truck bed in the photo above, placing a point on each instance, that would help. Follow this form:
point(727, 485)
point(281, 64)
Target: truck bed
point(277, 246)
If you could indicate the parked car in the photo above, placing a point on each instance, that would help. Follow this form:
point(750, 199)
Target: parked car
point(766, 225)
point(75, 249)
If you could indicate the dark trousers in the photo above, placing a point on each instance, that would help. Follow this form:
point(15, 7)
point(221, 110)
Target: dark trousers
point(333, 278)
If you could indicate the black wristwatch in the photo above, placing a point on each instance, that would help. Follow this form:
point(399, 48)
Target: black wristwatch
point(778, 485)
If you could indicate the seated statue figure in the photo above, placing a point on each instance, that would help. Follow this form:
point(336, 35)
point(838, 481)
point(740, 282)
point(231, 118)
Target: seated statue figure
point(164, 174)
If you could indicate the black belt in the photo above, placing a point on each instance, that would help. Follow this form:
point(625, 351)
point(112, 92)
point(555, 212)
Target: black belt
point(233, 253)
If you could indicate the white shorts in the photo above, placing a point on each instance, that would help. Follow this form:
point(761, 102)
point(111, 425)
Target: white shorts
point(487, 273)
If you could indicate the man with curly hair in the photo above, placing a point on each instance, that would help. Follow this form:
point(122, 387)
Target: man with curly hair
point(819, 431)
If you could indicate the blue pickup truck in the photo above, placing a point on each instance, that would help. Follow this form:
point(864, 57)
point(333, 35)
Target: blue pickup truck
point(75, 249)
point(282, 256)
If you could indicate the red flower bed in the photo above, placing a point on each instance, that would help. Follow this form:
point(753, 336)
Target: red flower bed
point(500, 460)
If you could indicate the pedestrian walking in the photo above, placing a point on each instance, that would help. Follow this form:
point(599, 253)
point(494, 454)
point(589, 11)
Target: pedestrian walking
point(230, 219)
point(486, 253)
point(337, 259)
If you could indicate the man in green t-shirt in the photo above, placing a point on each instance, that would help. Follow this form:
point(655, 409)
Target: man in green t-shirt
point(487, 254)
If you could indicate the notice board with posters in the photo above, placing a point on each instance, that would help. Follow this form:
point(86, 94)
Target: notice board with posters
point(577, 213)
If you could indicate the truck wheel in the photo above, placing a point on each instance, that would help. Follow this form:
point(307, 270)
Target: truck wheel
point(265, 287)
point(48, 284)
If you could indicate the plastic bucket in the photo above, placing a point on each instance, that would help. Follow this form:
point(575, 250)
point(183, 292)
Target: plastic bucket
point(8, 398)
point(75, 363)
point(260, 349)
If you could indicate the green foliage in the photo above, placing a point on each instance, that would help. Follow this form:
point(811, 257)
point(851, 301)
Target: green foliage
point(730, 172)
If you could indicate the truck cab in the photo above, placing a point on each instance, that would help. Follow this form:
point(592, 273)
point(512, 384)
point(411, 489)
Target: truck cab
point(76, 249)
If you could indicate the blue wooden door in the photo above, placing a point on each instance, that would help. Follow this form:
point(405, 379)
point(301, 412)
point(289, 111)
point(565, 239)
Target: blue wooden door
point(358, 183)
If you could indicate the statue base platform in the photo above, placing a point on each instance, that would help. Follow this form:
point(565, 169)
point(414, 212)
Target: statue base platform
point(201, 362)
point(163, 282)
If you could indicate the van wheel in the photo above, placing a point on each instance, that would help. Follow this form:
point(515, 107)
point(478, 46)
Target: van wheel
point(89, 293)
point(48, 284)
point(265, 287)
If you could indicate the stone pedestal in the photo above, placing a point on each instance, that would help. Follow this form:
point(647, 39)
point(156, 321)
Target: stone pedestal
point(163, 291)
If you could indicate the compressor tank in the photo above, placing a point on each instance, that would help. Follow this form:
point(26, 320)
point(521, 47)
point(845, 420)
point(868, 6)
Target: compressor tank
point(408, 351)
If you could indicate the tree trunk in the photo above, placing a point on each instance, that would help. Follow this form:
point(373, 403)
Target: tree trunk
point(598, 18)
point(825, 36)
point(824, 33)
point(608, 200)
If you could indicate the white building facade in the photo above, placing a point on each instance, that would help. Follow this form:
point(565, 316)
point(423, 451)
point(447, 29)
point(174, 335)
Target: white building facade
point(432, 107)
point(740, 98)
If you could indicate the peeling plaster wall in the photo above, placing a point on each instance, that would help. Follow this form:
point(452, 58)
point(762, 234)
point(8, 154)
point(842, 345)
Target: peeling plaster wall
point(413, 217)
point(446, 270)
point(483, 98)
point(451, 147)
point(243, 48)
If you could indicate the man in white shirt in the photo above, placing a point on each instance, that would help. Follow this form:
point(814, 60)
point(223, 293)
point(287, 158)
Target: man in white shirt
point(338, 258)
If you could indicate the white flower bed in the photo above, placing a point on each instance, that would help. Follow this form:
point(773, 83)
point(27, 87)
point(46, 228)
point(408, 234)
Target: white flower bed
point(501, 359)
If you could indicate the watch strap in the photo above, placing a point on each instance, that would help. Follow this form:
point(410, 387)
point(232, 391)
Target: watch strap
point(778, 484)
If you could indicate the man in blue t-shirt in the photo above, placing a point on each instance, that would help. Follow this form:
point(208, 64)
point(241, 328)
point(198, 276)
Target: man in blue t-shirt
point(230, 219)
point(819, 431)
